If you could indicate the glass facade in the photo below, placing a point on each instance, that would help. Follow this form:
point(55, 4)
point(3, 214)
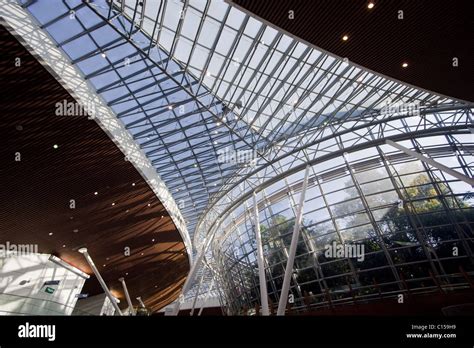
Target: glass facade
point(225, 106)
point(414, 222)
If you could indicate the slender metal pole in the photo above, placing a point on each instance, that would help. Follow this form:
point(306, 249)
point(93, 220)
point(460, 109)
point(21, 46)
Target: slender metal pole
point(139, 299)
point(197, 292)
point(432, 162)
point(127, 296)
point(192, 272)
point(112, 299)
point(260, 259)
point(294, 243)
point(207, 296)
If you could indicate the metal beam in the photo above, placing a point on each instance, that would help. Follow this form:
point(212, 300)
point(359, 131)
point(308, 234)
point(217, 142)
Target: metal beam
point(197, 293)
point(127, 296)
point(209, 292)
point(294, 243)
point(193, 271)
point(112, 299)
point(431, 162)
point(260, 259)
point(139, 299)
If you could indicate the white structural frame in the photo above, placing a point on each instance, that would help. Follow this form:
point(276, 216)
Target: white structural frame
point(127, 296)
point(102, 283)
point(260, 259)
point(437, 165)
point(292, 252)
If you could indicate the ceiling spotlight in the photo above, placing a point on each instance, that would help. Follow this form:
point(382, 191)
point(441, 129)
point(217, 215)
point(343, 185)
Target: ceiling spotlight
point(149, 204)
point(113, 203)
point(170, 107)
point(96, 193)
point(218, 123)
point(345, 38)
point(153, 240)
point(103, 55)
point(208, 73)
point(64, 245)
point(405, 65)
point(55, 146)
point(370, 5)
point(133, 184)
point(50, 233)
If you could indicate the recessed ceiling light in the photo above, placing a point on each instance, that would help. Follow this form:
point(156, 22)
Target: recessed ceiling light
point(405, 65)
point(370, 5)
point(50, 233)
point(55, 146)
point(170, 107)
point(103, 55)
point(96, 193)
point(153, 240)
point(133, 184)
point(113, 203)
point(64, 245)
point(218, 123)
point(345, 38)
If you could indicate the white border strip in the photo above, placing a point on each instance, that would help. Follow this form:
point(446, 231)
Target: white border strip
point(42, 46)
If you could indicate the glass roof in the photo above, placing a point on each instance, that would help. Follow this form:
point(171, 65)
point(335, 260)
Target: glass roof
point(193, 80)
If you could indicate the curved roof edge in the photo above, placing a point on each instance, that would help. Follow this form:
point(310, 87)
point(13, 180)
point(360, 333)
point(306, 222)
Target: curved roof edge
point(39, 43)
point(309, 44)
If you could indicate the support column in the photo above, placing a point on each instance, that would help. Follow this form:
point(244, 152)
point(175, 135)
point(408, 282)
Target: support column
point(197, 292)
point(294, 243)
point(260, 259)
point(432, 162)
point(139, 299)
point(127, 296)
point(207, 296)
point(112, 299)
point(193, 271)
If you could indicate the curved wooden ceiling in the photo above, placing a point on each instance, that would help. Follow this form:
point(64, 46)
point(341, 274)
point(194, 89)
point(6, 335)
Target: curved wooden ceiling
point(36, 191)
point(430, 35)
